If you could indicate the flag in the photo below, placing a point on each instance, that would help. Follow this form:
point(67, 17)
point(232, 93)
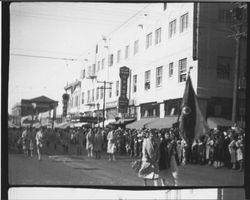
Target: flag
point(192, 124)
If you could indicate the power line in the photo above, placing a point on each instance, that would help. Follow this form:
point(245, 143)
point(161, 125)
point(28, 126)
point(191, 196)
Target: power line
point(46, 57)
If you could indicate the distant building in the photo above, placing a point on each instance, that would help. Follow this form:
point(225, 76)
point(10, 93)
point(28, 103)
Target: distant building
point(160, 45)
point(16, 114)
point(73, 90)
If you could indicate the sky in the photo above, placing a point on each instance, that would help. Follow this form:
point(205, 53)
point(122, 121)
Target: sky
point(48, 41)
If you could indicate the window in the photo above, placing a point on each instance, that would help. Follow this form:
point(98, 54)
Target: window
point(97, 93)
point(223, 68)
point(88, 100)
point(172, 28)
point(93, 69)
point(110, 90)
point(82, 97)
point(148, 40)
point(98, 66)
point(171, 70)
point(103, 63)
point(93, 95)
point(110, 60)
point(76, 101)
point(134, 83)
point(118, 56)
point(158, 76)
point(172, 107)
point(147, 80)
point(117, 88)
point(102, 92)
point(182, 70)
point(183, 22)
point(225, 16)
point(89, 70)
point(83, 74)
point(136, 46)
point(158, 36)
point(127, 51)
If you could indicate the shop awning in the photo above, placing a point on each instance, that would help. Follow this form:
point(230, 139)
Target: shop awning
point(63, 125)
point(166, 122)
point(141, 123)
point(106, 122)
point(214, 122)
point(80, 124)
point(124, 121)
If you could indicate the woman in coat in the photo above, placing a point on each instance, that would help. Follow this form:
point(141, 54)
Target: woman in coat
point(90, 143)
point(39, 142)
point(150, 155)
point(111, 147)
point(168, 160)
point(98, 144)
point(232, 151)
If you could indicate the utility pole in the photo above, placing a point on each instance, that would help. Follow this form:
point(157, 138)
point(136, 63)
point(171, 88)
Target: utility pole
point(238, 14)
point(104, 96)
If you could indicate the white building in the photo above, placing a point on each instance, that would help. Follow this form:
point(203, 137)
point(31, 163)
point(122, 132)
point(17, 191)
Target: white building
point(159, 45)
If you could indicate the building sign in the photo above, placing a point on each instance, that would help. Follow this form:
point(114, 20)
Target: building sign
point(112, 104)
point(123, 100)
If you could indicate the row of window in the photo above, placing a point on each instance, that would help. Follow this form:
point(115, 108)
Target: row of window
point(92, 69)
point(223, 73)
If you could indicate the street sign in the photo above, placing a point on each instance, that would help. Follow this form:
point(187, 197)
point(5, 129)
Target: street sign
point(123, 100)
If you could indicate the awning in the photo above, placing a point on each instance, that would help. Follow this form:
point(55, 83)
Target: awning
point(166, 122)
point(63, 125)
point(106, 122)
point(214, 122)
point(124, 121)
point(141, 123)
point(80, 124)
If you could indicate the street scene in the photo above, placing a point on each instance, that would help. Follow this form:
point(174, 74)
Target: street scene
point(127, 94)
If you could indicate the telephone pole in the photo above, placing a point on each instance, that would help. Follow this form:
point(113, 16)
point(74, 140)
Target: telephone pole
point(104, 96)
point(238, 14)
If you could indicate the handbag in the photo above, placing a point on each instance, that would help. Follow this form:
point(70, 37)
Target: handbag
point(136, 165)
point(146, 168)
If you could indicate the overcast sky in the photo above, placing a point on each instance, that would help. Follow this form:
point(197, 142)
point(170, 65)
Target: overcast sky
point(56, 30)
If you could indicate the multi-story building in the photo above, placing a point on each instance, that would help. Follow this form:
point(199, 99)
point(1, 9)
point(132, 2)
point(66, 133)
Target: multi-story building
point(159, 46)
point(73, 90)
point(16, 114)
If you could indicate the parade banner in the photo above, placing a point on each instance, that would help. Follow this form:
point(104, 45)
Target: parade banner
point(191, 121)
point(123, 100)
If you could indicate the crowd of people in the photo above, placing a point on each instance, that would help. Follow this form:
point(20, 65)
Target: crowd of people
point(160, 150)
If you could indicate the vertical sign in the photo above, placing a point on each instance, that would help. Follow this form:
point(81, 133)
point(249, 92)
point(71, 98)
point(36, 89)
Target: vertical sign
point(123, 100)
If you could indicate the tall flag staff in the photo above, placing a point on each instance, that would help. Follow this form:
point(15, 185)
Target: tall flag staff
point(191, 122)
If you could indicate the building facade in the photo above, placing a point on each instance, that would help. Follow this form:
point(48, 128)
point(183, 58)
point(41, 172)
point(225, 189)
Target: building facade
point(160, 45)
point(16, 114)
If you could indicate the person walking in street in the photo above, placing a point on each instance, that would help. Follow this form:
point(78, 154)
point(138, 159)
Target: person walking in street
point(39, 142)
point(150, 154)
point(168, 160)
point(232, 150)
point(79, 141)
point(98, 144)
point(90, 142)
point(25, 141)
point(111, 147)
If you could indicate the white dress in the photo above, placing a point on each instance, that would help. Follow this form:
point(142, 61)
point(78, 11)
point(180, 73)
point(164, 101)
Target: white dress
point(111, 148)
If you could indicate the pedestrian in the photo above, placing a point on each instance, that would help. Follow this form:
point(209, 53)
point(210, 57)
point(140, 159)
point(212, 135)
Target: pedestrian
point(150, 155)
point(90, 142)
point(98, 144)
point(239, 152)
point(111, 147)
point(25, 141)
point(79, 141)
point(32, 141)
point(39, 142)
point(232, 150)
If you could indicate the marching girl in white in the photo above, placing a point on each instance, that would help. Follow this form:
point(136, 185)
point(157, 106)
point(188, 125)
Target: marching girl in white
point(39, 145)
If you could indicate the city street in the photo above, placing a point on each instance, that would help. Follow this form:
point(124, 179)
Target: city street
point(81, 170)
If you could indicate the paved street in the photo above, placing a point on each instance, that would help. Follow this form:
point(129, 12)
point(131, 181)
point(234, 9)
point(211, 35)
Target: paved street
point(81, 170)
